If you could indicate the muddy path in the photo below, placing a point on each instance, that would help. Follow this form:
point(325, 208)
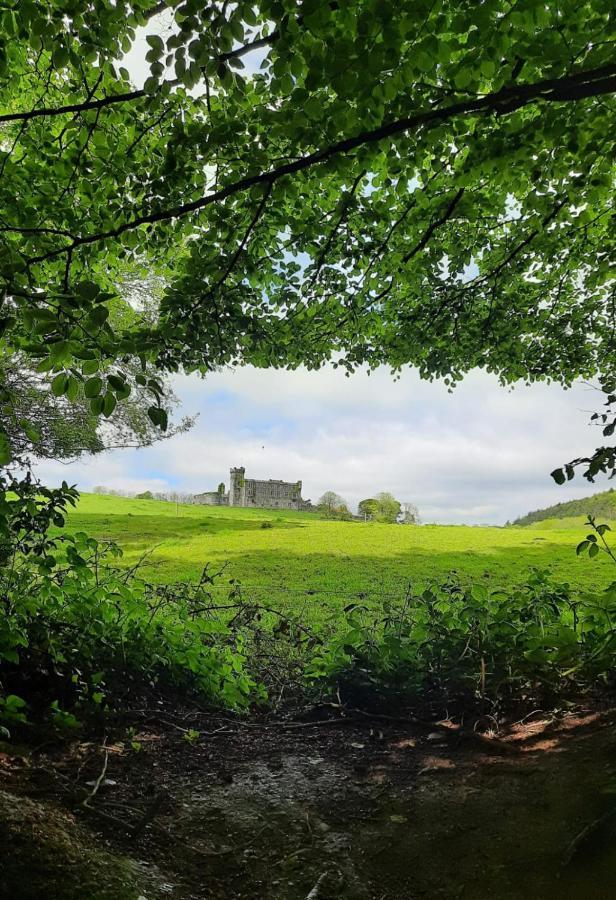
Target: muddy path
point(364, 810)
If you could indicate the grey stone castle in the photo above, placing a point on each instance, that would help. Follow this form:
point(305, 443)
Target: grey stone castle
point(252, 492)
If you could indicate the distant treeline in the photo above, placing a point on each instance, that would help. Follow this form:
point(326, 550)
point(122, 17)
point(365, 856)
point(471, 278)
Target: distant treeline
point(168, 496)
point(602, 505)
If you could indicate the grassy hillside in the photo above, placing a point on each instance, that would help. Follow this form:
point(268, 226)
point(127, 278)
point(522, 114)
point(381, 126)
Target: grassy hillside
point(306, 563)
point(601, 505)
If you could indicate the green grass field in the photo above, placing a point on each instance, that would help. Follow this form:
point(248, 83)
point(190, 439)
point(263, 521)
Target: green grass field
point(306, 564)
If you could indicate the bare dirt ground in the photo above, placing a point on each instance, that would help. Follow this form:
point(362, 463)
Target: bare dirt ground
point(357, 808)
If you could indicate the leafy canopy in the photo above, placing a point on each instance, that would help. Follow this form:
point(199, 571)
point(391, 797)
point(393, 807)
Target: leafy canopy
point(39, 420)
point(374, 181)
point(332, 505)
point(387, 508)
point(367, 507)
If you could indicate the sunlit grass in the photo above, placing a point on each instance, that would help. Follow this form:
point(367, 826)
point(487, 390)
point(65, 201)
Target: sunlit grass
point(307, 564)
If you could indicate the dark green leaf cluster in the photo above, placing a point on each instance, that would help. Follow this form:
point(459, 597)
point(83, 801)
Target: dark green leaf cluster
point(603, 460)
point(465, 642)
point(596, 542)
point(50, 421)
point(28, 510)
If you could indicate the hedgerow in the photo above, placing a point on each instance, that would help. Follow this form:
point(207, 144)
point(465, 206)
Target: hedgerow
point(76, 623)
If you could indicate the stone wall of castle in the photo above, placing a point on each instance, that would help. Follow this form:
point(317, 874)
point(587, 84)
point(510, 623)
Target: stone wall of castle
point(212, 498)
point(252, 492)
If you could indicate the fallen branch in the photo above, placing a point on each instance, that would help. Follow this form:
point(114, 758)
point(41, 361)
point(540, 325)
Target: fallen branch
point(133, 828)
point(490, 744)
point(113, 820)
point(585, 834)
point(198, 850)
point(317, 723)
point(315, 893)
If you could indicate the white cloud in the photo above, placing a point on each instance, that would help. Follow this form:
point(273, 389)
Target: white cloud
point(480, 454)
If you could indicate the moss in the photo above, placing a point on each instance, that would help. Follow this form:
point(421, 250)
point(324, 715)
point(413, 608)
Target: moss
point(46, 853)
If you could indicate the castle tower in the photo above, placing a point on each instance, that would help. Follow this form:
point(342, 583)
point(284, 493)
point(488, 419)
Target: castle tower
point(237, 487)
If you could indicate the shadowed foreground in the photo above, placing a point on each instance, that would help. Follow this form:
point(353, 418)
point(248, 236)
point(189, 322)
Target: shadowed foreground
point(361, 809)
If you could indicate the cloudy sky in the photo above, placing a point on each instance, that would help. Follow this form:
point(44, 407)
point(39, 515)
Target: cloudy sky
point(480, 455)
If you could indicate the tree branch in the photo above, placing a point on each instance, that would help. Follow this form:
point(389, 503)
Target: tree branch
point(47, 111)
point(156, 10)
point(574, 87)
point(432, 227)
point(530, 237)
point(248, 232)
point(245, 49)
point(330, 239)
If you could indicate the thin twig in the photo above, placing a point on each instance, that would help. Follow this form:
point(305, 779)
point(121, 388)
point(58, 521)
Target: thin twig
point(99, 780)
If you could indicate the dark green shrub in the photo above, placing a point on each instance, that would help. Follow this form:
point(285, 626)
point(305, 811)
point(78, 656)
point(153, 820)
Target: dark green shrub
point(454, 639)
point(70, 615)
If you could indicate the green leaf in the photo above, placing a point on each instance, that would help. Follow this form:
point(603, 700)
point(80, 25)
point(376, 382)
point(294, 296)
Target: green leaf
point(5, 450)
point(96, 405)
point(90, 366)
point(155, 41)
point(109, 403)
point(158, 417)
point(93, 387)
point(72, 389)
point(59, 384)
point(463, 78)
point(99, 315)
point(83, 353)
point(117, 383)
point(87, 289)
point(33, 435)
point(6, 322)
point(60, 57)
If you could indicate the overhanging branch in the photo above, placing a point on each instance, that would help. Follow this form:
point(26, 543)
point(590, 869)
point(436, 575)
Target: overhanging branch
point(572, 88)
point(47, 111)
